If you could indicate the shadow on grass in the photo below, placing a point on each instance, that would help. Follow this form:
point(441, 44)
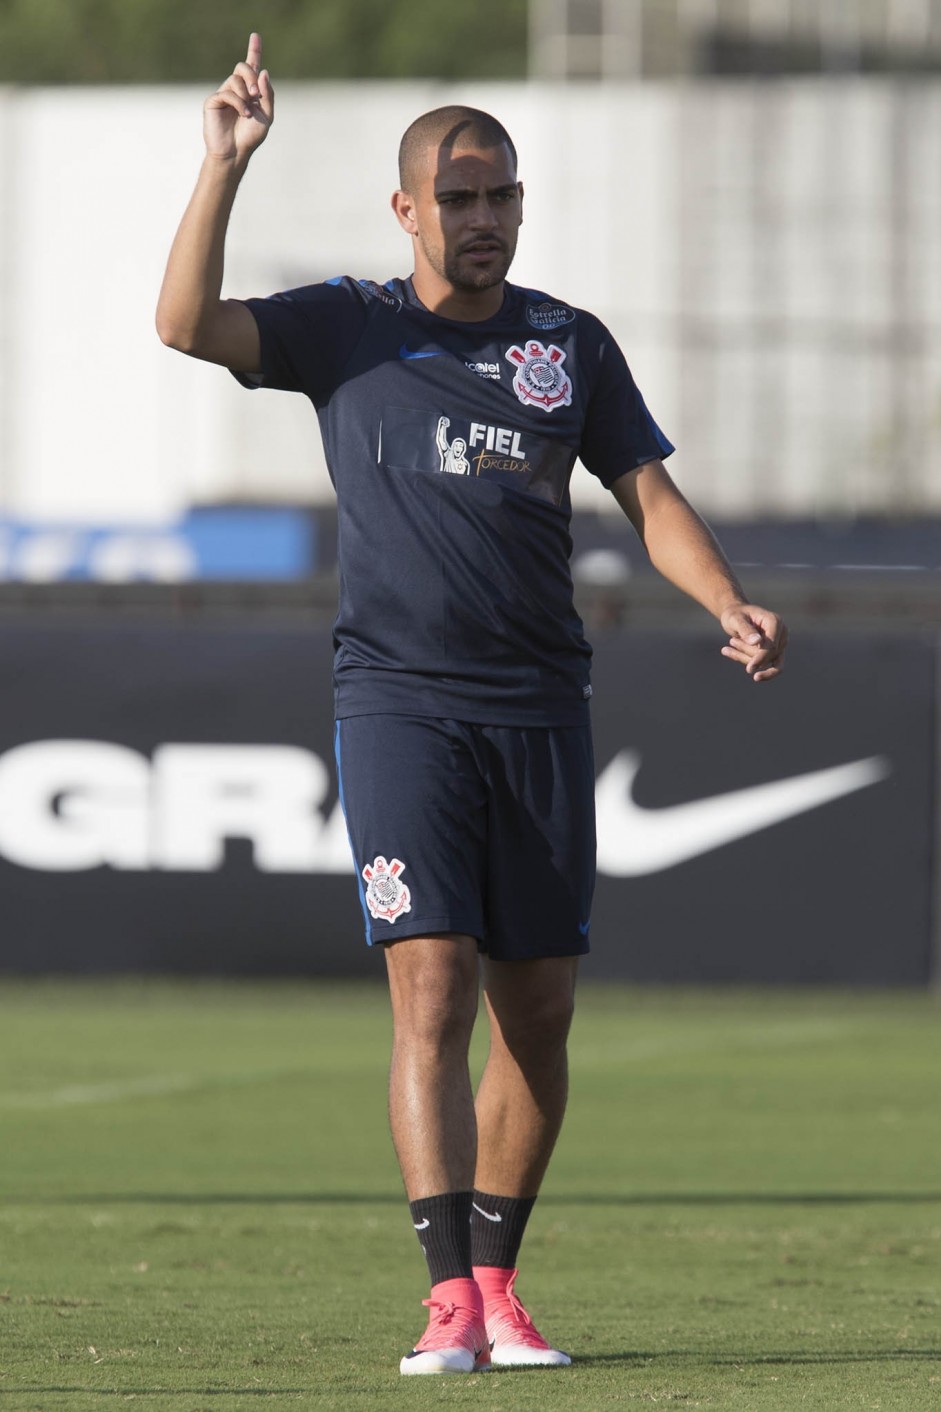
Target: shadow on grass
point(761, 1360)
point(629, 1359)
point(384, 1198)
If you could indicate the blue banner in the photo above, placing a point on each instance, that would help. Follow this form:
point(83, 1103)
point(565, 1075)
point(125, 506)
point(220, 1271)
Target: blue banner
point(266, 543)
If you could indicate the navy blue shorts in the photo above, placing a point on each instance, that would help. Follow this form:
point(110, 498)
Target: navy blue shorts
point(485, 830)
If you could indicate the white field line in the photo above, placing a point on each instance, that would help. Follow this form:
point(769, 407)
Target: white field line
point(118, 1090)
point(776, 1034)
point(113, 1092)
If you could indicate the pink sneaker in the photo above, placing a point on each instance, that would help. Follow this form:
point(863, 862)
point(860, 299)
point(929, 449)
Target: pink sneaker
point(515, 1342)
point(455, 1340)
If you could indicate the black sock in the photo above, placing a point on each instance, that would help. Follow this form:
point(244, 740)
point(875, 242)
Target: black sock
point(443, 1226)
point(497, 1226)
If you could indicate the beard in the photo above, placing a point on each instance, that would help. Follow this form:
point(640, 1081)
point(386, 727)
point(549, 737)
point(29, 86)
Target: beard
point(472, 278)
point(466, 276)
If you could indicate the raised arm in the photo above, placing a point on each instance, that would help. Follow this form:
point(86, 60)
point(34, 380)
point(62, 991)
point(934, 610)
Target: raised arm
point(191, 314)
point(683, 548)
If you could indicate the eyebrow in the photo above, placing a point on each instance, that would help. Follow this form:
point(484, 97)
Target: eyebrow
point(472, 191)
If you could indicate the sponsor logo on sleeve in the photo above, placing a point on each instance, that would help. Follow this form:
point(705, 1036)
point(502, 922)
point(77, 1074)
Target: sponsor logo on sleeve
point(384, 296)
point(386, 895)
point(546, 316)
point(540, 377)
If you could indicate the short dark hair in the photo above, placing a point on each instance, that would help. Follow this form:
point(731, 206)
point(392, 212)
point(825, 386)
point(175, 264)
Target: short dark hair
point(447, 128)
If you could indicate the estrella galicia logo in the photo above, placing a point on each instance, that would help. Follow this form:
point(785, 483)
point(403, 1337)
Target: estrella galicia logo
point(548, 316)
point(384, 295)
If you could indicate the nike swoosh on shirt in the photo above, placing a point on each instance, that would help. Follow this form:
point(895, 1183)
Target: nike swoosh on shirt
point(633, 841)
point(490, 1216)
point(406, 352)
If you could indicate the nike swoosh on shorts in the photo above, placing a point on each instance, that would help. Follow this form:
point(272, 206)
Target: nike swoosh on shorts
point(633, 840)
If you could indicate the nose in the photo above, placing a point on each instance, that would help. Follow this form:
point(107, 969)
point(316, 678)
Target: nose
point(483, 216)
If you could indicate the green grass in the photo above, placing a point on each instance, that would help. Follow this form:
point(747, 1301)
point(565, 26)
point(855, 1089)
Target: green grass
point(201, 1210)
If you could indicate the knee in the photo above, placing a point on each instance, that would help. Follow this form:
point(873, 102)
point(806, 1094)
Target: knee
point(539, 1028)
point(434, 1006)
point(438, 1021)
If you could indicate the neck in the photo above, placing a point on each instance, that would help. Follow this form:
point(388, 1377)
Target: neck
point(472, 306)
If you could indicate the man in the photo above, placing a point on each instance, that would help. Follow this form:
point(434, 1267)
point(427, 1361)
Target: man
point(452, 456)
point(453, 406)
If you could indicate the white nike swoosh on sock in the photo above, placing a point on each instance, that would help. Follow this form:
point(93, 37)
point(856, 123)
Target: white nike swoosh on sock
point(422, 1225)
point(490, 1217)
point(633, 840)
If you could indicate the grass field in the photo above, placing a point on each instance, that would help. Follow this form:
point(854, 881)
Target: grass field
point(201, 1210)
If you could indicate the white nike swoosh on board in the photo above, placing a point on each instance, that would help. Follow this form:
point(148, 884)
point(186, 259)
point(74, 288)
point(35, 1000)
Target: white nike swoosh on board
point(495, 1216)
point(633, 841)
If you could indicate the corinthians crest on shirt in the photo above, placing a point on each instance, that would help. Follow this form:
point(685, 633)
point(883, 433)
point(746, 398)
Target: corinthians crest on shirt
point(386, 895)
point(540, 377)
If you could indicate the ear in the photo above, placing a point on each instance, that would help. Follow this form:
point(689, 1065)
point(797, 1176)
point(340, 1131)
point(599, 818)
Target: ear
point(404, 208)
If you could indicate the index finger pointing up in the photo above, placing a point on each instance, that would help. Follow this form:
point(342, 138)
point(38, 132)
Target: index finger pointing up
point(253, 58)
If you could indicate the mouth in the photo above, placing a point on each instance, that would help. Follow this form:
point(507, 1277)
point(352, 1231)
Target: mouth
point(483, 249)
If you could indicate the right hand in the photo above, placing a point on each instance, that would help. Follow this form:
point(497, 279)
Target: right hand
point(757, 640)
point(236, 118)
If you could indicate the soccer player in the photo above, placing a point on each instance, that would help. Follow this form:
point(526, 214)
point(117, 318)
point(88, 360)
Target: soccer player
point(453, 405)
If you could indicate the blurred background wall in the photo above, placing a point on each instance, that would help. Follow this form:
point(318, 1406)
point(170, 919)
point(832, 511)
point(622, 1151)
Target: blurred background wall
point(766, 246)
point(747, 191)
point(769, 256)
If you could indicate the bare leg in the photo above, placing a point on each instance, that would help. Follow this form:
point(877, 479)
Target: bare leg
point(523, 1091)
point(433, 985)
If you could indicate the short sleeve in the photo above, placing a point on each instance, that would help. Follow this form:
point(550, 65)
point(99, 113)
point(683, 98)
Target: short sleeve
point(307, 336)
point(619, 432)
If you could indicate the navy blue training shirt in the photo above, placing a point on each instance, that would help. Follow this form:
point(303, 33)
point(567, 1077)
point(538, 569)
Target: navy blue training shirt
point(450, 446)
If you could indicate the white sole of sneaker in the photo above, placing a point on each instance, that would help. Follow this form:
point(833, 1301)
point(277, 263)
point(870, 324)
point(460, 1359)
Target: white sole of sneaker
point(444, 1360)
point(529, 1358)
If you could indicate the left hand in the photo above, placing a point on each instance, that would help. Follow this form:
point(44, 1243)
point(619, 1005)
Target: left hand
point(757, 639)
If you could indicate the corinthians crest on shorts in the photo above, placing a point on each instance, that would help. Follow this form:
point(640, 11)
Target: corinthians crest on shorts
point(540, 377)
point(386, 896)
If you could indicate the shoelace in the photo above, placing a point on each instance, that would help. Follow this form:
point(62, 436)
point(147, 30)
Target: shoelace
point(513, 1325)
point(519, 1313)
point(443, 1314)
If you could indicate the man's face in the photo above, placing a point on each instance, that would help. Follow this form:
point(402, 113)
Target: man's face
point(465, 214)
